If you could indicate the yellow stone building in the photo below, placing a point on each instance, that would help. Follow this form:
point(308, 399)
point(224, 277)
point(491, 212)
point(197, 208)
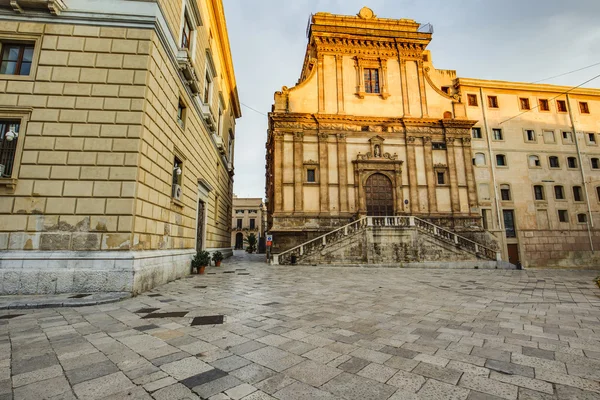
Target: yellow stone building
point(372, 128)
point(249, 216)
point(117, 120)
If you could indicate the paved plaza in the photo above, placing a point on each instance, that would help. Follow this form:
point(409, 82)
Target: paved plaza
point(317, 333)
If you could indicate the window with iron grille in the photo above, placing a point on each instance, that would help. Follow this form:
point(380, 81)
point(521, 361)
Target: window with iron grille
point(9, 135)
point(371, 80)
point(16, 58)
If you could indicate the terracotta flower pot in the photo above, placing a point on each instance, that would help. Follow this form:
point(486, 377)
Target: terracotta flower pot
point(201, 269)
point(217, 263)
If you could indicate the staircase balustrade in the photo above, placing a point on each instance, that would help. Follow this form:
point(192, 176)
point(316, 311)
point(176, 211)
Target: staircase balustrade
point(402, 222)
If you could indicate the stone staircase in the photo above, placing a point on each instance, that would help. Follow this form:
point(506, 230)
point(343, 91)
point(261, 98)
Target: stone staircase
point(391, 241)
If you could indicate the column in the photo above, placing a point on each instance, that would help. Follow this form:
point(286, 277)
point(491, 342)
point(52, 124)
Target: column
point(321, 83)
point(278, 171)
point(454, 196)
point(429, 173)
point(340, 83)
point(399, 191)
point(342, 171)
point(468, 157)
point(324, 171)
point(412, 175)
point(298, 172)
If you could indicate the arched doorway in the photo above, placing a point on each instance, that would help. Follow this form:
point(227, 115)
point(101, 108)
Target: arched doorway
point(379, 195)
point(239, 241)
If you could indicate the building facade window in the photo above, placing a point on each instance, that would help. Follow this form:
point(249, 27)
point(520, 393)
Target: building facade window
point(181, 111)
point(549, 137)
point(497, 134)
point(9, 137)
point(530, 135)
point(17, 58)
point(584, 108)
point(252, 223)
point(479, 159)
point(472, 100)
point(207, 88)
point(501, 160)
point(505, 193)
point(186, 34)
point(524, 103)
point(538, 192)
point(567, 137)
point(371, 76)
point(177, 178)
point(509, 223)
point(441, 177)
point(544, 105)
point(591, 138)
point(239, 223)
point(486, 218)
point(595, 163)
point(438, 146)
point(534, 161)
point(561, 106)
point(476, 133)
point(598, 192)
point(559, 192)
point(311, 175)
point(571, 162)
point(577, 193)
point(493, 101)
point(582, 218)
point(553, 162)
point(563, 216)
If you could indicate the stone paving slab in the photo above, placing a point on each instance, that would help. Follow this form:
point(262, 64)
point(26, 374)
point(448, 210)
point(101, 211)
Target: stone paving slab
point(317, 333)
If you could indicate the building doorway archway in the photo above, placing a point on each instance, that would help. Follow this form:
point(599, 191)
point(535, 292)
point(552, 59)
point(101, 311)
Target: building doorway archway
point(379, 195)
point(239, 241)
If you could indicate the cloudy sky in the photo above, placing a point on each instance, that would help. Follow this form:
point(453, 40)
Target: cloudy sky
point(514, 40)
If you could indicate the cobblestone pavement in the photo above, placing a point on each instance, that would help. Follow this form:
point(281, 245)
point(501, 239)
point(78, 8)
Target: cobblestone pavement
point(317, 333)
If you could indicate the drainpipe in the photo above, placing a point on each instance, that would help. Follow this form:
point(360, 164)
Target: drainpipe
point(585, 190)
point(491, 155)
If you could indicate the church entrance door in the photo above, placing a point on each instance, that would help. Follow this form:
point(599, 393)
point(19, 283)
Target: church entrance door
point(379, 195)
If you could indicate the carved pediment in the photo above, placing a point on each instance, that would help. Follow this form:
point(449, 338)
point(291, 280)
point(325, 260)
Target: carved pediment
point(370, 156)
point(20, 6)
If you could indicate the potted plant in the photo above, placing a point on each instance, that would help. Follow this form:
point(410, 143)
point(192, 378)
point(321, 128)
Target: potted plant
point(217, 258)
point(200, 261)
point(250, 241)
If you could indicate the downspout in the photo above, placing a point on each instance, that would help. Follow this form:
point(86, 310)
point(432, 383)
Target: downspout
point(489, 147)
point(587, 198)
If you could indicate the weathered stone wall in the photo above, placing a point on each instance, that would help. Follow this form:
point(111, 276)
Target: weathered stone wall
point(388, 246)
point(561, 249)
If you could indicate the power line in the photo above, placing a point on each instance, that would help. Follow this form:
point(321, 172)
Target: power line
point(570, 90)
point(254, 109)
point(567, 73)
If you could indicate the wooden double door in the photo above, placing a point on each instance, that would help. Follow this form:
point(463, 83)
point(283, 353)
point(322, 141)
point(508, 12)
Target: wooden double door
point(379, 195)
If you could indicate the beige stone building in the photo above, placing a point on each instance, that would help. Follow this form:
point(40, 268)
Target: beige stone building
point(117, 120)
point(372, 128)
point(248, 217)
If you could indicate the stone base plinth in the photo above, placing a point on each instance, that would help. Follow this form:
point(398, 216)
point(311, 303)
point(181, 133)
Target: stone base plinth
point(48, 272)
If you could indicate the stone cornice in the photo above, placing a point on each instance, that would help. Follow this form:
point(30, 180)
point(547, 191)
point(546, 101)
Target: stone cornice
point(463, 83)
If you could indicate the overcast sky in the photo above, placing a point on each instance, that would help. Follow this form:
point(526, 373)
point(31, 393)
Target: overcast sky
point(514, 40)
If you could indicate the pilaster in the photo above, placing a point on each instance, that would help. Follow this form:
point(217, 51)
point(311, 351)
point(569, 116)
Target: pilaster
point(468, 160)
point(298, 171)
point(412, 174)
point(324, 172)
point(340, 83)
point(454, 195)
point(321, 83)
point(342, 171)
point(430, 175)
point(278, 171)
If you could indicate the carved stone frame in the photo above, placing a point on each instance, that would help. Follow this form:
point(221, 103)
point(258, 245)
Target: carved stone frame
point(364, 168)
point(367, 62)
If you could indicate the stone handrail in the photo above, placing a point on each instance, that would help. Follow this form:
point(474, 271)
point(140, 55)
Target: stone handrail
point(334, 236)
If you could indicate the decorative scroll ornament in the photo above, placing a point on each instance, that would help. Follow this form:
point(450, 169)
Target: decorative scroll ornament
point(371, 156)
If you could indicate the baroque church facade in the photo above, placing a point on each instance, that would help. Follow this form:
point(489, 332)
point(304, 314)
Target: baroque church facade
point(372, 128)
